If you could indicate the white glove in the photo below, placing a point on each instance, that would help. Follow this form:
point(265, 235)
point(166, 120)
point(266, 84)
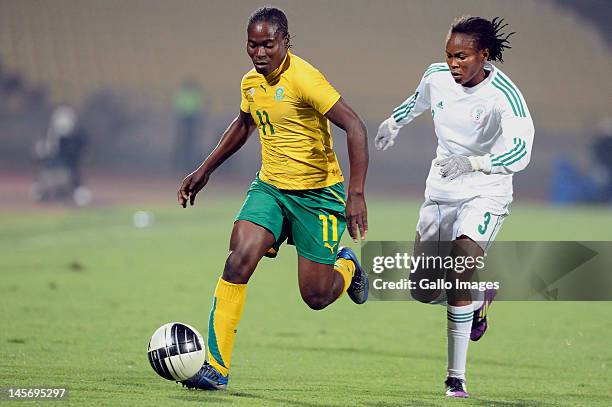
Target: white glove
point(454, 166)
point(387, 132)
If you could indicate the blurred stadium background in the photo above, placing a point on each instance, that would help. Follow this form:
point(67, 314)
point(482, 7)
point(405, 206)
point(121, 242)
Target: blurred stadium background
point(121, 63)
point(82, 290)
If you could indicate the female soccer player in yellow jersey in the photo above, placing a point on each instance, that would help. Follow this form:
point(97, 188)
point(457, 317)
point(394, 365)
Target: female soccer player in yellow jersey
point(298, 194)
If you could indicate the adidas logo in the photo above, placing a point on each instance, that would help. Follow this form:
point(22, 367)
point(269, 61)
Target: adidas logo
point(440, 105)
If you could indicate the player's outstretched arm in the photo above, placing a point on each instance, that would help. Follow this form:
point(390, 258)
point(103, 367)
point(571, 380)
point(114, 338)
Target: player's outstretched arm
point(344, 117)
point(232, 140)
point(406, 112)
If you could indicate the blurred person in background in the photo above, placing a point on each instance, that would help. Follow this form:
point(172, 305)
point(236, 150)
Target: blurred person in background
point(602, 153)
point(572, 185)
point(189, 121)
point(59, 152)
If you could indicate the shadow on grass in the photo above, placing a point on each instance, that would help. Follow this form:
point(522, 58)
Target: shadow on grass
point(229, 397)
point(202, 397)
point(365, 351)
point(442, 400)
point(407, 403)
point(515, 403)
point(404, 355)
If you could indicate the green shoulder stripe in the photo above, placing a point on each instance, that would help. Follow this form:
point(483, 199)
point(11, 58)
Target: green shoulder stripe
point(505, 92)
point(436, 66)
point(512, 94)
point(434, 70)
point(514, 90)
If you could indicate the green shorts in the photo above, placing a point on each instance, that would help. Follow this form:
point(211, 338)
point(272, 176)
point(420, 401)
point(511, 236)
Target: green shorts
point(311, 219)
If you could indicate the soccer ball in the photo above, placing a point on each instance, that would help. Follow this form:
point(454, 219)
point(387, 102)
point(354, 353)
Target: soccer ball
point(176, 351)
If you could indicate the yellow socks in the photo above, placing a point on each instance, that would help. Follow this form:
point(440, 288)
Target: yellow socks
point(347, 269)
point(224, 318)
point(226, 311)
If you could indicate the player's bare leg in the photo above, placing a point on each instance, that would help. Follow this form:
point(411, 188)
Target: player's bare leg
point(248, 243)
point(427, 296)
point(322, 284)
point(465, 247)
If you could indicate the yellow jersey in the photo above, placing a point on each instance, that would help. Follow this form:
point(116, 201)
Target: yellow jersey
point(289, 108)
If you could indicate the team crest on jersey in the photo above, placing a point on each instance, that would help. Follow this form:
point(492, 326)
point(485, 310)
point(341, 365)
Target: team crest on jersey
point(478, 113)
point(280, 93)
point(252, 92)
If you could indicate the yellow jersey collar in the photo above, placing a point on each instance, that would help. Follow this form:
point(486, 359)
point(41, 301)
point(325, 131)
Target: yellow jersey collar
point(274, 76)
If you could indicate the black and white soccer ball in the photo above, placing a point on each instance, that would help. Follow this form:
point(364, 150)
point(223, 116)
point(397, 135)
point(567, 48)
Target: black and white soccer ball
point(176, 351)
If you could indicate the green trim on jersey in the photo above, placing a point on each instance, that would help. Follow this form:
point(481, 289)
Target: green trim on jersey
point(403, 105)
point(402, 111)
point(498, 86)
point(435, 68)
point(511, 156)
point(507, 163)
point(514, 91)
point(511, 93)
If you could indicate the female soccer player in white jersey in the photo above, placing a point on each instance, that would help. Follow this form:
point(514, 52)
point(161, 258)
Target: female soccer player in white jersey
point(485, 134)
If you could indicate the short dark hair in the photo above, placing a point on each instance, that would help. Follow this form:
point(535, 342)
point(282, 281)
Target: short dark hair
point(273, 16)
point(487, 34)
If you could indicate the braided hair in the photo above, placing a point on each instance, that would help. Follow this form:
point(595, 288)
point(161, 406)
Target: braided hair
point(487, 34)
point(273, 16)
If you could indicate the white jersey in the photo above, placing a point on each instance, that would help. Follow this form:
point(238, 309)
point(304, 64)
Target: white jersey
point(489, 121)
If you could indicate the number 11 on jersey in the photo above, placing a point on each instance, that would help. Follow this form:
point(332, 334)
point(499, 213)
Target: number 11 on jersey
point(261, 121)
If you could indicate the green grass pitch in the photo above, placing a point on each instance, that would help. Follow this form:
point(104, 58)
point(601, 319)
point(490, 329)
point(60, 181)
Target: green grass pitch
point(81, 292)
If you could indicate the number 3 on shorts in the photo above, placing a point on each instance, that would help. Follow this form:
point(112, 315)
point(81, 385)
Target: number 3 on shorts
point(482, 229)
point(334, 224)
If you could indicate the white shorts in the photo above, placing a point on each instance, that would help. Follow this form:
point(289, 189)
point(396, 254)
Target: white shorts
point(478, 218)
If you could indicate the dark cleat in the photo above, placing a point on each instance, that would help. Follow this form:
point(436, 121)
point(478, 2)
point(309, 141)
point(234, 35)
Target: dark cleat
point(358, 290)
point(455, 387)
point(207, 378)
point(480, 323)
